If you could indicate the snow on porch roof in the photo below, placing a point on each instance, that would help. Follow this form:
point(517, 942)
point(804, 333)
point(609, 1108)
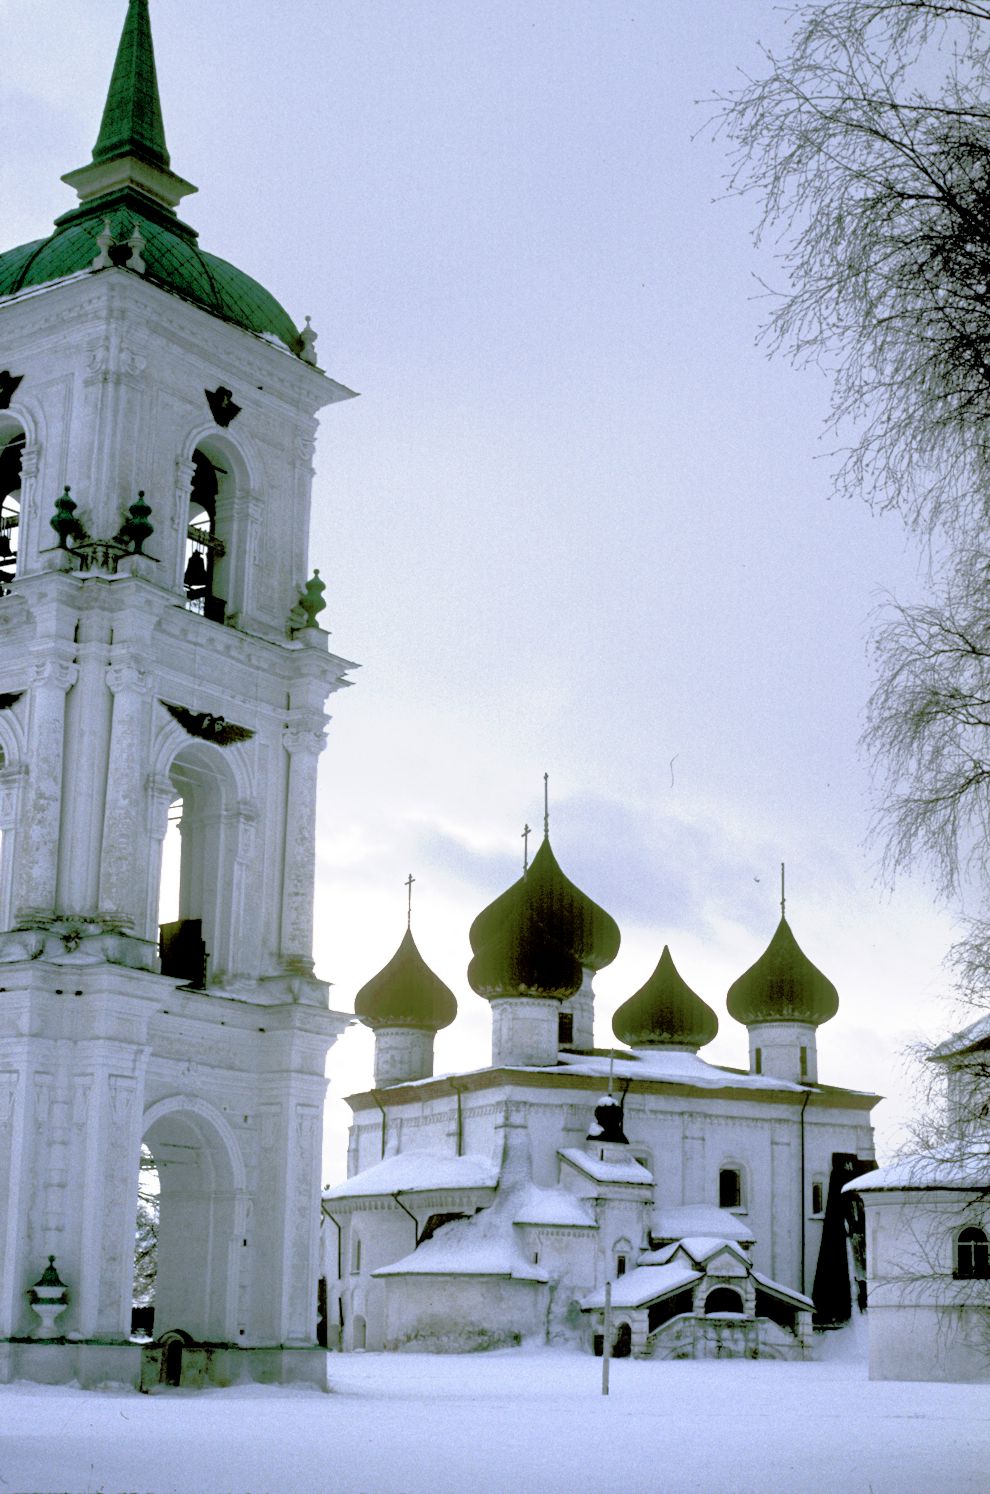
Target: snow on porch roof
point(700, 1219)
point(606, 1172)
point(553, 1207)
point(417, 1172)
point(643, 1285)
point(786, 1294)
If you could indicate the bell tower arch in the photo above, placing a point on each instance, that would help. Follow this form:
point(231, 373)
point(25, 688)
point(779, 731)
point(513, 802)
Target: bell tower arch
point(159, 647)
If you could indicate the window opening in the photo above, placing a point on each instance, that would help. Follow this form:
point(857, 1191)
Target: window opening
point(620, 1265)
point(757, 1060)
point(972, 1254)
point(204, 548)
point(723, 1299)
point(565, 1028)
point(817, 1198)
point(356, 1256)
point(10, 506)
point(804, 1062)
point(729, 1188)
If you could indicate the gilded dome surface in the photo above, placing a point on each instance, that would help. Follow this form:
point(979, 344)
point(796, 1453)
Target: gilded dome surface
point(573, 919)
point(406, 993)
point(665, 1012)
point(783, 986)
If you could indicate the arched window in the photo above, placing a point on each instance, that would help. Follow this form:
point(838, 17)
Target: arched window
point(622, 1252)
point(10, 504)
point(356, 1255)
point(724, 1299)
point(205, 550)
point(972, 1254)
point(730, 1189)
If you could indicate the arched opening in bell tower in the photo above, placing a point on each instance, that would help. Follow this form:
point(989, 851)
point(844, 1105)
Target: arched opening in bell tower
point(196, 886)
point(11, 454)
point(204, 574)
point(200, 1236)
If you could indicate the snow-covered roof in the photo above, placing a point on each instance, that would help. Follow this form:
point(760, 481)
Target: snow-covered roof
point(700, 1248)
point(553, 1206)
point(786, 1294)
point(629, 1171)
point(484, 1245)
point(417, 1172)
point(976, 1035)
point(700, 1219)
point(956, 1165)
point(673, 1066)
point(642, 1285)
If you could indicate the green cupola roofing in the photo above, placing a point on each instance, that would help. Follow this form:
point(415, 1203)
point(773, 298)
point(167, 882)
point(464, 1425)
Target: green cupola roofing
point(573, 919)
point(132, 116)
point(665, 1013)
point(406, 993)
point(130, 189)
point(783, 986)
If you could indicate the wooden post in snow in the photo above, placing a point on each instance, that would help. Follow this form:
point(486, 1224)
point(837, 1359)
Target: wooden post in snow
point(607, 1338)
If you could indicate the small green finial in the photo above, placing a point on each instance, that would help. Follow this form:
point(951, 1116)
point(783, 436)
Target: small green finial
point(64, 521)
point(136, 528)
point(132, 116)
point(311, 600)
point(49, 1276)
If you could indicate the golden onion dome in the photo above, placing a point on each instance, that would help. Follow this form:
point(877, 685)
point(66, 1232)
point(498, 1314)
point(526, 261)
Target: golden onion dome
point(406, 994)
point(783, 986)
point(665, 1012)
point(572, 919)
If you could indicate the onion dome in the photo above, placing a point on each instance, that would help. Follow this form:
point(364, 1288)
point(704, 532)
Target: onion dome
point(783, 986)
point(576, 922)
point(129, 192)
point(665, 1013)
point(522, 957)
point(406, 994)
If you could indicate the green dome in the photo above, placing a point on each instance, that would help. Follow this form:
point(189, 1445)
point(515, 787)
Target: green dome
point(573, 920)
point(783, 986)
point(523, 956)
point(665, 1013)
point(406, 994)
point(174, 261)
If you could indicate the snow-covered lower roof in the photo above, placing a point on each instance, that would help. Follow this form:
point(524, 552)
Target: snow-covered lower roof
point(700, 1219)
point(642, 1285)
point(553, 1206)
point(627, 1171)
point(417, 1172)
point(484, 1245)
point(786, 1294)
point(673, 1065)
point(963, 1165)
point(700, 1248)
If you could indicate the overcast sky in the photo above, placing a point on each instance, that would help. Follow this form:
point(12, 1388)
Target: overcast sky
point(576, 521)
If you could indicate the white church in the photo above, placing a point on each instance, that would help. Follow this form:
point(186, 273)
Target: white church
point(489, 1207)
point(159, 656)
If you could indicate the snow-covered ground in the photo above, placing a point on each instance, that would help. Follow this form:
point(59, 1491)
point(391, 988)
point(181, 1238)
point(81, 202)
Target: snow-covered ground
point(517, 1422)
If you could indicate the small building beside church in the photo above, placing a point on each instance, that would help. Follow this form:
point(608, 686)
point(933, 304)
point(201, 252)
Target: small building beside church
point(493, 1206)
point(928, 1235)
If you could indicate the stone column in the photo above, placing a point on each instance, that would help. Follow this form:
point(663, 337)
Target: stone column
point(304, 740)
point(87, 729)
point(36, 870)
point(126, 866)
point(28, 543)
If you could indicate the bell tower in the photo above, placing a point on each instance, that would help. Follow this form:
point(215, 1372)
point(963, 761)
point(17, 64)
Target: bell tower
point(160, 661)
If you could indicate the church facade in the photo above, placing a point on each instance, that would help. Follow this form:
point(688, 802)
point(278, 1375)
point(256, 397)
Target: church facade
point(159, 655)
point(495, 1206)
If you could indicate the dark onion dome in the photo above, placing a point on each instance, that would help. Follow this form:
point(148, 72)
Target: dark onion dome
point(665, 1013)
point(523, 958)
point(571, 917)
point(783, 986)
point(406, 994)
point(129, 184)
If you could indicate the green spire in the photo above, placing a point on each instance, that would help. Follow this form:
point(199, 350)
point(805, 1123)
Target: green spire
point(132, 117)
